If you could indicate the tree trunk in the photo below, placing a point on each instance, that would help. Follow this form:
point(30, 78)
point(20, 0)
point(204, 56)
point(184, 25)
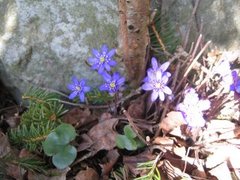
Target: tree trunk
point(134, 37)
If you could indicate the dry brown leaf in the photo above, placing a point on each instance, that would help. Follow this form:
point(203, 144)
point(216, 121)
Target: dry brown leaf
point(173, 120)
point(88, 174)
point(105, 116)
point(137, 107)
point(15, 171)
point(177, 162)
point(86, 142)
point(4, 145)
point(173, 172)
point(112, 157)
point(56, 175)
point(131, 161)
point(103, 135)
point(78, 117)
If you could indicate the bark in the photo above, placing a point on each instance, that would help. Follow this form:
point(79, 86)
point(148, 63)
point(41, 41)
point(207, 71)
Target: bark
point(134, 37)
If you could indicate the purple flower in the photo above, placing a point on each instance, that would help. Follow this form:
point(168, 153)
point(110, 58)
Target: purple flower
point(192, 108)
point(236, 82)
point(223, 69)
point(78, 88)
point(112, 83)
point(103, 59)
point(156, 80)
point(156, 67)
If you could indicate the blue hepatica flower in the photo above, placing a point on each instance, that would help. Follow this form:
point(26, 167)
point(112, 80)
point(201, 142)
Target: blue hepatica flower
point(112, 83)
point(192, 108)
point(236, 82)
point(78, 88)
point(223, 69)
point(156, 81)
point(155, 67)
point(103, 59)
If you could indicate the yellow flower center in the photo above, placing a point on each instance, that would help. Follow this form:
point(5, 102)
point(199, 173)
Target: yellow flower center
point(102, 59)
point(78, 88)
point(112, 84)
point(158, 85)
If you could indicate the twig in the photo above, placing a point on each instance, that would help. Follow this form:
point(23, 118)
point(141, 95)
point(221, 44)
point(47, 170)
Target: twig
point(190, 24)
point(135, 92)
point(192, 64)
point(135, 128)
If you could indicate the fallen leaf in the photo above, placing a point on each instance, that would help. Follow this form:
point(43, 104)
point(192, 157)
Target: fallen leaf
point(103, 135)
point(88, 174)
point(132, 161)
point(78, 117)
point(54, 174)
point(112, 157)
point(4, 145)
point(137, 107)
point(173, 120)
point(15, 171)
point(86, 142)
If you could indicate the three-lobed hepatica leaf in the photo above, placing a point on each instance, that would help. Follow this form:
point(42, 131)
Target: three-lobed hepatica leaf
point(129, 140)
point(64, 157)
point(57, 145)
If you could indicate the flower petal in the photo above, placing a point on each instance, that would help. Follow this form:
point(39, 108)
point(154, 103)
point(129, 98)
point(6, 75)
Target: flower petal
point(112, 63)
point(167, 90)
point(96, 53)
point(165, 79)
point(154, 96)
point(73, 95)
point(103, 87)
point(111, 53)
point(86, 88)
point(161, 95)
point(104, 49)
point(203, 105)
point(81, 96)
point(164, 66)
point(154, 63)
point(71, 87)
point(121, 81)
point(107, 77)
point(147, 86)
point(92, 60)
point(101, 69)
point(75, 80)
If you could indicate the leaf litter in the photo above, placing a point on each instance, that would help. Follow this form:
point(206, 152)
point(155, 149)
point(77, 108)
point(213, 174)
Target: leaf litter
point(179, 152)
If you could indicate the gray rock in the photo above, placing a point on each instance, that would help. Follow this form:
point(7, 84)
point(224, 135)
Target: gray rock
point(219, 20)
point(45, 42)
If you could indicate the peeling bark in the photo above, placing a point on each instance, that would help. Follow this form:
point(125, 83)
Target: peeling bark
point(134, 37)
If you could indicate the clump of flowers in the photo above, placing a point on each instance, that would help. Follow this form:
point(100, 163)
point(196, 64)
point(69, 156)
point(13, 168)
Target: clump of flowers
point(78, 87)
point(102, 60)
point(112, 83)
point(156, 80)
point(192, 108)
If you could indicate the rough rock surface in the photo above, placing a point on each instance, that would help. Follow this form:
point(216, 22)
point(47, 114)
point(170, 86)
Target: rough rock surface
point(217, 20)
point(46, 42)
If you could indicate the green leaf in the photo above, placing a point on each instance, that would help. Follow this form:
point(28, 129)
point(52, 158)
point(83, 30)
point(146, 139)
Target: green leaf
point(51, 146)
point(123, 141)
point(65, 157)
point(139, 143)
point(129, 132)
point(66, 133)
